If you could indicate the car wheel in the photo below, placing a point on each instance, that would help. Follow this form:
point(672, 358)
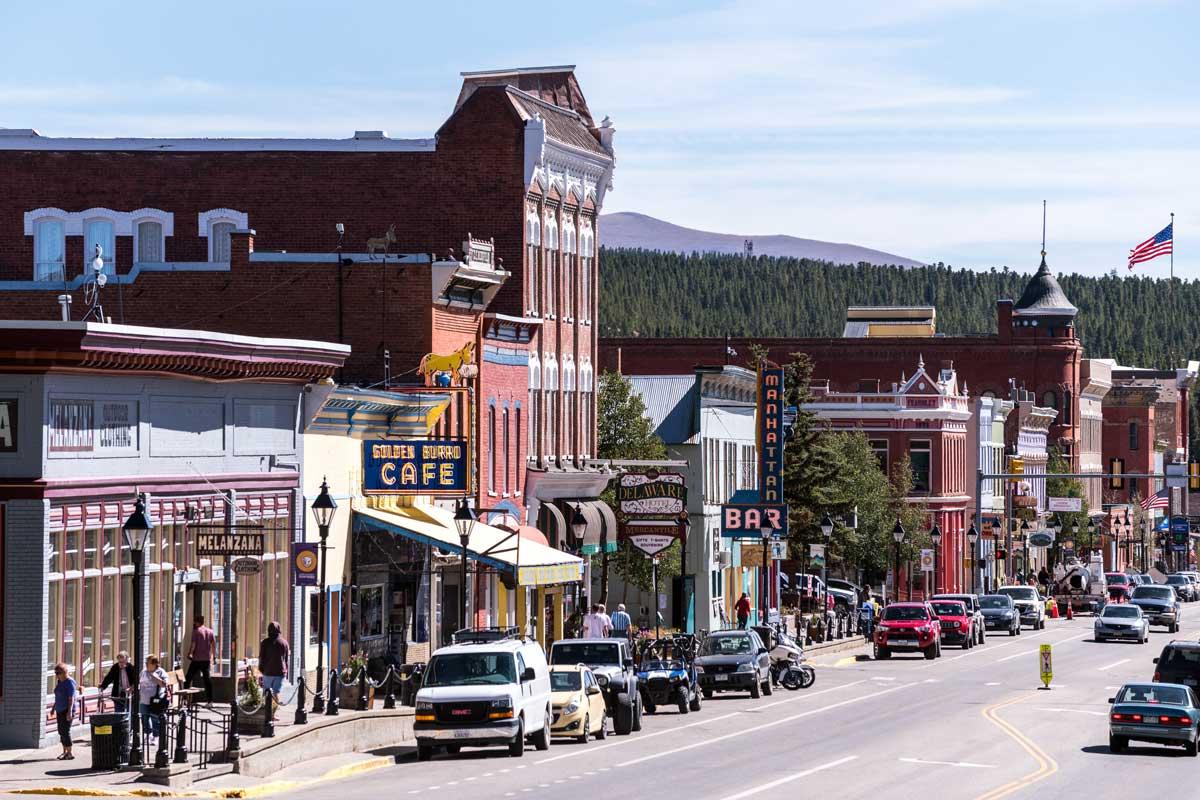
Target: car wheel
point(623, 719)
point(766, 687)
point(649, 706)
point(682, 700)
point(602, 731)
point(931, 652)
point(454, 749)
point(1099, 638)
point(541, 739)
point(587, 724)
point(1189, 748)
point(1013, 631)
point(695, 704)
point(424, 752)
point(1117, 744)
point(516, 748)
point(882, 653)
point(707, 693)
point(1042, 624)
point(637, 715)
point(982, 634)
point(755, 690)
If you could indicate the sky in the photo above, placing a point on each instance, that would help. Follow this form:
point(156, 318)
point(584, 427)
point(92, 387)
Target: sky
point(932, 129)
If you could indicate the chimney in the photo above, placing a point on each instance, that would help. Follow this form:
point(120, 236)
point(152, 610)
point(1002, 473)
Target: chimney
point(1004, 309)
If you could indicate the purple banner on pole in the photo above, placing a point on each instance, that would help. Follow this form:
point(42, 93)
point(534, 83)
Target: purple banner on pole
point(304, 564)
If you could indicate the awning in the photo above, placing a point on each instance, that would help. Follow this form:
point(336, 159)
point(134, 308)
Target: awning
point(533, 563)
point(601, 533)
point(553, 524)
point(532, 534)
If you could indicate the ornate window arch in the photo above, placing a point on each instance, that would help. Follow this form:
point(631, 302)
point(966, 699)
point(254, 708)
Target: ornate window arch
point(216, 225)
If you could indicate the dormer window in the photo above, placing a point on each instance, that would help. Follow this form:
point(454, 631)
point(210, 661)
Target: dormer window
point(102, 233)
point(217, 226)
point(49, 246)
point(148, 242)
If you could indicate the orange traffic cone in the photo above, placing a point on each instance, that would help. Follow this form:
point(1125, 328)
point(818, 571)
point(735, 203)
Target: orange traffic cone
point(1070, 613)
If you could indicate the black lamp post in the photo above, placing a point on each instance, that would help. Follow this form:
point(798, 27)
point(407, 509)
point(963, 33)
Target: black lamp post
point(1091, 529)
point(898, 535)
point(323, 509)
point(578, 529)
point(1022, 537)
point(137, 534)
point(827, 534)
point(972, 539)
point(935, 536)
point(766, 571)
point(464, 521)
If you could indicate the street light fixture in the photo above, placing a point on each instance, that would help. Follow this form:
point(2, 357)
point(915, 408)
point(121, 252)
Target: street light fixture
point(137, 534)
point(935, 536)
point(323, 508)
point(578, 530)
point(972, 539)
point(827, 535)
point(766, 575)
point(1091, 529)
point(898, 535)
point(464, 521)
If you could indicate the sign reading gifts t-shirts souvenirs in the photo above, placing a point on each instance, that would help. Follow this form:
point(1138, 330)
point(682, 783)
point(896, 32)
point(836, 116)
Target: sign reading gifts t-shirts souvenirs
point(416, 466)
point(770, 435)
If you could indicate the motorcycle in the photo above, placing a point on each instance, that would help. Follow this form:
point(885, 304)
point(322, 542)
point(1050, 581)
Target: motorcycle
point(787, 664)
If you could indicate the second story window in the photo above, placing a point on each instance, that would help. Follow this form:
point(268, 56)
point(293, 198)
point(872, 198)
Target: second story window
point(148, 243)
point(920, 458)
point(99, 232)
point(1133, 435)
point(217, 225)
point(49, 244)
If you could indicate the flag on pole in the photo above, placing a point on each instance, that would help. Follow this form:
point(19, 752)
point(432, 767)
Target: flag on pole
point(1159, 499)
point(1160, 244)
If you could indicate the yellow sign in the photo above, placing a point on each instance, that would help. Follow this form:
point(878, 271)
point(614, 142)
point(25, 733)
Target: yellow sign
point(102, 730)
point(1047, 664)
point(1016, 466)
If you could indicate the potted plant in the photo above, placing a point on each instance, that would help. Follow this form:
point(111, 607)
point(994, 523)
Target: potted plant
point(348, 681)
point(250, 706)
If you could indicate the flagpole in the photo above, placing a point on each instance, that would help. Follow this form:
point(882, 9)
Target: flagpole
point(1172, 248)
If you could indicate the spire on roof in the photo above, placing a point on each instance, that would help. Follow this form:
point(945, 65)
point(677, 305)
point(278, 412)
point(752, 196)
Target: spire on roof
point(1043, 296)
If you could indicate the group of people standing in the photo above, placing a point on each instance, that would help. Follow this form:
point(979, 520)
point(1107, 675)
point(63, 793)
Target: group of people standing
point(597, 624)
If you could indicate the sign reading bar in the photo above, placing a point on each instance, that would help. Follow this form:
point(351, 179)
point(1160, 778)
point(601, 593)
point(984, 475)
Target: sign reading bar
point(420, 466)
point(770, 435)
point(747, 521)
point(231, 543)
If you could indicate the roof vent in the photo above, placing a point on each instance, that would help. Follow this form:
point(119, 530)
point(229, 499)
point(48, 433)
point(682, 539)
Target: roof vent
point(370, 135)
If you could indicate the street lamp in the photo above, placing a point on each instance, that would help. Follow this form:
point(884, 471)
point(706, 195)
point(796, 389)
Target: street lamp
point(464, 521)
point(898, 535)
point(935, 536)
point(323, 508)
point(972, 539)
point(1023, 537)
point(578, 529)
point(1091, 529)
point(137, 534)
point(827, 534)
point(766, 572)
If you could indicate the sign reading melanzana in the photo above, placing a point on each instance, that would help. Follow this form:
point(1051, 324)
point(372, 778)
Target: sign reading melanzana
point(419, 466)
point(229, 543)
point(770, 435)
point(651, 494)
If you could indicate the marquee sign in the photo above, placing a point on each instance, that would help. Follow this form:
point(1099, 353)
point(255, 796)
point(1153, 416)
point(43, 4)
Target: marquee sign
point(746, 521)
point(418, 466)
point(770, 434)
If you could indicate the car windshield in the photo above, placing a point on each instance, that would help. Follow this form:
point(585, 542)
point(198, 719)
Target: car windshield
point(1149, 693)
point(585, 653)
point(947, 609)
point(905, 613)
point(1179, 658)
point(1120, 611)
point(1157, 592)
point(725, 645)
point(648, 666)
point(1176, 580)
point(1020, 592)
point(995, 601)
point(563, 681)
point(1117, 577)
point(470, 669)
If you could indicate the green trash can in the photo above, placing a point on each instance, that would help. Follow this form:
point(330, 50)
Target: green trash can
point(110, 732)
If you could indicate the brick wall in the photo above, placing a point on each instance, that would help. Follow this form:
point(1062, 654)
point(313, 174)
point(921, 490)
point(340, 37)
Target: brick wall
point(24, 624)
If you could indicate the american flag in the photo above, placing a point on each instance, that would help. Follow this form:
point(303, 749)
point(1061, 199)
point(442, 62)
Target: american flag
point(1159, 244)
point(1160, 499)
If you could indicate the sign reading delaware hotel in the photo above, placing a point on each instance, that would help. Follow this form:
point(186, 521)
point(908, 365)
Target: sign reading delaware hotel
point(421, 466)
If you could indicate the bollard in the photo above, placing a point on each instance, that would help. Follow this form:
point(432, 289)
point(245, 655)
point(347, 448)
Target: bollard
point(361, 704)
point(160, 755)
point(268, 729)
point(389, 700)
point(181, 754)
point(301, 711)
point(234, 743)
point(331, 707)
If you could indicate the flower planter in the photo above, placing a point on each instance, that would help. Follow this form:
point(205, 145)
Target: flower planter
point(348, 696)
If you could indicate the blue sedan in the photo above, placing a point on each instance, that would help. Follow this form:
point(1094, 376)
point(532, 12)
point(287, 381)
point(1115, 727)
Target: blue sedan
point(1162, 713)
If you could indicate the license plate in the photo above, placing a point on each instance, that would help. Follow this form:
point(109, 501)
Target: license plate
point(462, 734)
point(720, 677)
point(1150, 720)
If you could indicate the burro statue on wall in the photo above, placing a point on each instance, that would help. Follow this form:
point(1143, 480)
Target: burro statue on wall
point(450, 366)
point(382, 243)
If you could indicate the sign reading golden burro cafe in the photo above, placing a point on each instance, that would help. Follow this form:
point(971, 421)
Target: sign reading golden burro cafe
point(418, 466)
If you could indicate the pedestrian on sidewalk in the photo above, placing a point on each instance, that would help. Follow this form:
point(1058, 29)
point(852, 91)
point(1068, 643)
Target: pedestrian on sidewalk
point(621, 622)
point(742, 610)
point(65, 690)
point(595, 625)
point(273, 655)
point(122, 676)
point(200, 657)
point(868, 616)
point(152, 696)
point(605, 621)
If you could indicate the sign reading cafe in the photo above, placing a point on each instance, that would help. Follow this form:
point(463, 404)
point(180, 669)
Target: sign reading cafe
point(416, 466)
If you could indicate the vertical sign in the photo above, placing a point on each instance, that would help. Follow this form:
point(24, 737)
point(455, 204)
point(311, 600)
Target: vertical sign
point(8, 425)
point(304, 564)
point(770, 435)
point(1046, 662)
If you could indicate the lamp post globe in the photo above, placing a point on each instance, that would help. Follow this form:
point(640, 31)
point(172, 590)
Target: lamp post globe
point(323, 509)
point(464, 521)
point(137, 533)
point(898, 536)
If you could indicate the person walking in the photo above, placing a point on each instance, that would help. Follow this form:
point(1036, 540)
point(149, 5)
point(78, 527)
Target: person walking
point(605, 621)
point(122, 677)
point(273, 655)
point(65, 690)
point(200, 656)
point(152, 697)
point(621, 622)
point(742, 610)
point(595, 623)
point(868, 616)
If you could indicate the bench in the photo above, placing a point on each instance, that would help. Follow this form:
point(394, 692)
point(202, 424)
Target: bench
point(181, 691)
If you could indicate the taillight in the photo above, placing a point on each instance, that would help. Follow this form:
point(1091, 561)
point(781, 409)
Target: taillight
point(1157, 676)
point(1126, 717)
point(1174, 721)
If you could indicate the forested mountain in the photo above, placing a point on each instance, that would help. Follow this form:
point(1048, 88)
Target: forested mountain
point(1138, 321)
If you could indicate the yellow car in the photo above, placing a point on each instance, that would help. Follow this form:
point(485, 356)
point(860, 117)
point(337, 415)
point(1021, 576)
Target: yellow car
point(578, 704)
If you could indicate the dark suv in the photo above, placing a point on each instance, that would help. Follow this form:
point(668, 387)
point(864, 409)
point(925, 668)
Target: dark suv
point(734, 661)
point(612, 664)
point(1179, 662)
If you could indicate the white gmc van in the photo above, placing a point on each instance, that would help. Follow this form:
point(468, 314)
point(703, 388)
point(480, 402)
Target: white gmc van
point(484, 692)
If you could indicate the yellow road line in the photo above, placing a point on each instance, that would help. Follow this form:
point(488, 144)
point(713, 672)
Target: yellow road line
point(1047, 766)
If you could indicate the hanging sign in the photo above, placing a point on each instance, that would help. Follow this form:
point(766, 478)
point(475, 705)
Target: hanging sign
point(651, 538)
point(651, 494)
point(817, 555)
point(304, 563)
point(8, 425)
point(228, 543)
point(770, 434)
point(1041, 539)
point(415, 466)
point(927, 560)
point(246, 566)
point(1064, 504)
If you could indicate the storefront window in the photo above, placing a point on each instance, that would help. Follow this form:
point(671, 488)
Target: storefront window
point(54, 604)
point(370, 602)
point(919, 458)
point(111, 541)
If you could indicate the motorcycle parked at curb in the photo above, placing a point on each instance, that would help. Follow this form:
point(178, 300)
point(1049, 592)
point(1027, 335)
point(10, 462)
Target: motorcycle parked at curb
point(787, 661)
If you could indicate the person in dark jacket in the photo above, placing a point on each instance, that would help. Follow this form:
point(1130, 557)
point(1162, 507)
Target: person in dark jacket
point(273, 655)
point(64, 707)
point(122, 677)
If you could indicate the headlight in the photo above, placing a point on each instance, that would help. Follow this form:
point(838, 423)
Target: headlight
point(602, 680)
point(699, 669)
point(571, 708)
point(747, 667)
point(423, 711)
point(500, 708)
point(957, 625)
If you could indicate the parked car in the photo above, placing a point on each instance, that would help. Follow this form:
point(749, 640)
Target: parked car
point(845, 593)
point(977, 622)
point(1119, 586)
point(1183, 585)
point(1162, 713)
point(1179, 662)
point(811, 588)
point(911, 627)
point(1000, 614)
point(1121, 621)
point(577, 703)
point(956, 622)
point(1029, 604)
point(1159, 604)
point(612, 663)
point(484, 693)
point(734, 661)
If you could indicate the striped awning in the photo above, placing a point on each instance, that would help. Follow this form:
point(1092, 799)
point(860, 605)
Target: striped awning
point(365, 414)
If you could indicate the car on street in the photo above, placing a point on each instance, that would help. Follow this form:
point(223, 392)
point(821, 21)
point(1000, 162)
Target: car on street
point(1000, 614)
point(1160, 713)
point(612, 663)
point(1029, 604)
point(1183, 585)
point(576, 703)
point(1121, 621)
point(956, 622)
point(734, 661)
point(1179, 662)
point(978, 624)
point(908, 627)
point(843, 600)
point(481, 693)
point(1119, 586)
point(1159, 604)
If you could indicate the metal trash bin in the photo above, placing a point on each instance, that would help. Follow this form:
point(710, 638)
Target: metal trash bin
point(408, 688)
point(110, 734)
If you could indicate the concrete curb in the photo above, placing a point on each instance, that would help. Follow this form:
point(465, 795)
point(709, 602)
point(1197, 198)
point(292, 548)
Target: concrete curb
point(262, 790)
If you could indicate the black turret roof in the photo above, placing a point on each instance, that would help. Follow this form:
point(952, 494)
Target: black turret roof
point(1043, 296)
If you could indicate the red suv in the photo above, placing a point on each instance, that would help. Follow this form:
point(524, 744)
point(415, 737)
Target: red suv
point(1119, 586)
point(911, 627)
point(956, 622)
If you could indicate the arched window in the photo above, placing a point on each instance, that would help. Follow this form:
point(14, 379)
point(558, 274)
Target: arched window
point(533, 243)
point(99, 233)
point(216, 225)
point(1049, 399)
point(49, 245)
point(491, 434)
point(148, 242)
point(507, 444)
point(1066, 409)
point(535, 404)
point(587, 259)
point(569, 267)
point(551, 237)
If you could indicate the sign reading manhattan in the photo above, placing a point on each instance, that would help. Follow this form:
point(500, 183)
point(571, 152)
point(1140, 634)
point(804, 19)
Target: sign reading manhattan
point(422, 466)
point(651, 494)
point(770, 435)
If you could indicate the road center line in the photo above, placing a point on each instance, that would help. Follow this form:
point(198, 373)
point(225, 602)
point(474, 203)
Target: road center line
point(948, 763)
point(1047, 766)
point(1075, 711)
point(1017, 655)
point(1114, 664)
point(788, 778)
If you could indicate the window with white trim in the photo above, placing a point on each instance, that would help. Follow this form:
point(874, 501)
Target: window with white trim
point(568, 271)
point(587, 259)
point(100, 232)
point(507, 450)
point(570, 408)
point(550, 382)
point(535, 394)
point(219, 242)
point(551, 225)
point(49, 247)
point(533, 239)
point(148, 242)
point(491, 484)
point(216, 225)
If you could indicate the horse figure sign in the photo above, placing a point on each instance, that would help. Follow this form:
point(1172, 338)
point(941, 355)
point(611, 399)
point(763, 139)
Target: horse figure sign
point(432, 364)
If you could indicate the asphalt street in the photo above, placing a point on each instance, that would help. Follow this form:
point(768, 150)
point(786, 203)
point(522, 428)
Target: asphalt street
point(972, 724)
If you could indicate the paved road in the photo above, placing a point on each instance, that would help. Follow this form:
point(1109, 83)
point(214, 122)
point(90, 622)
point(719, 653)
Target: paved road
point(969, 725)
